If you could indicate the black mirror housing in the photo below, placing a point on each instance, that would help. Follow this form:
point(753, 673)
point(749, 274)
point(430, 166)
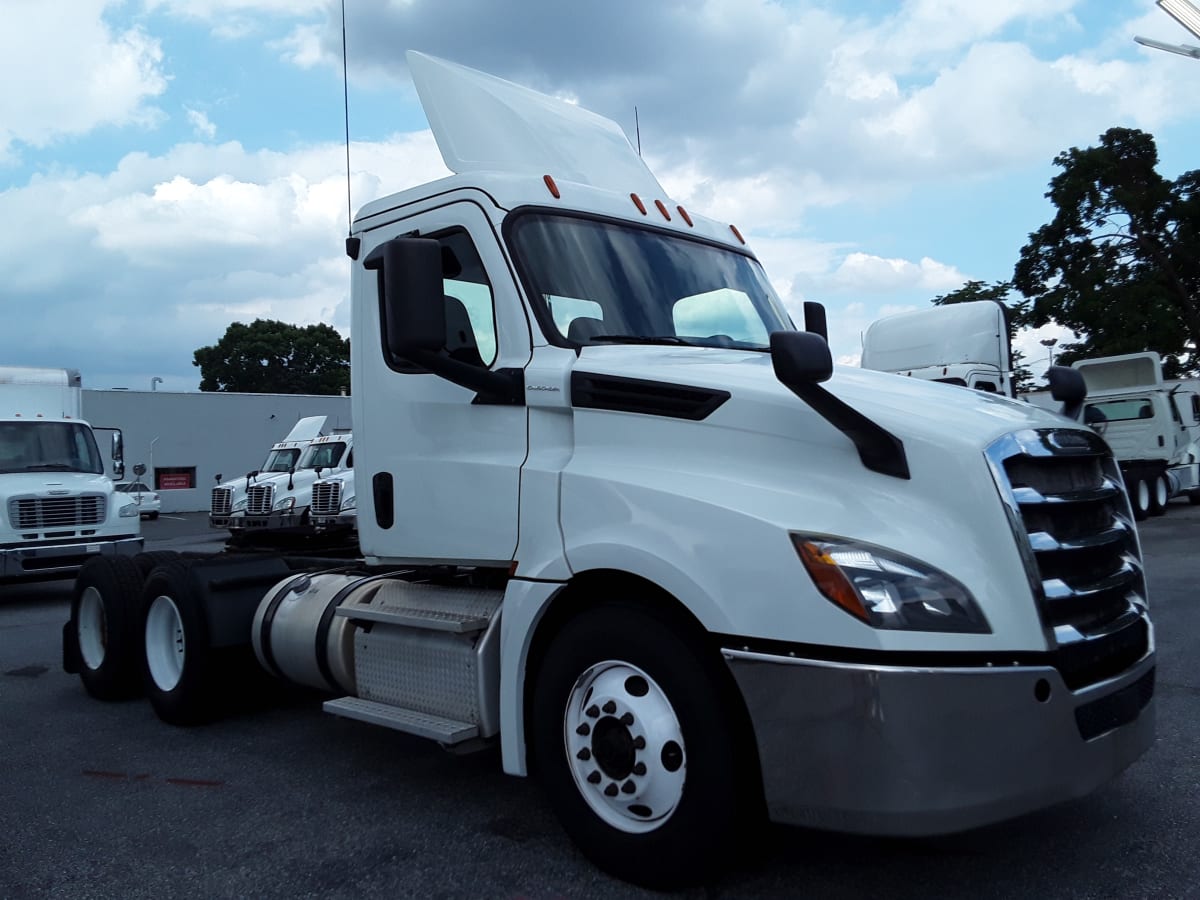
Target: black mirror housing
point(410, 294)
point(800, 357)
point(1068, 387)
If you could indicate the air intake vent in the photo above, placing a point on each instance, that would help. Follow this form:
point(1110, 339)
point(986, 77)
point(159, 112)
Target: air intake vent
point(651, 398)
point(259, 499)
point(40, 513)
point(326, 498)
point(1071, 515)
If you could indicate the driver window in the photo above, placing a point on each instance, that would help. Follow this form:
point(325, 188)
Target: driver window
point(470, 319)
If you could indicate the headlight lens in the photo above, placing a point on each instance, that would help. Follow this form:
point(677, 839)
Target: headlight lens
point(239, 505)
point(129, 510)
point(886, 589)
point(284, 504)
point(348, 503)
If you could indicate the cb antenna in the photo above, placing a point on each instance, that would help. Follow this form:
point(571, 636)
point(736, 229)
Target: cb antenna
point(352, 243)
point(636, 125)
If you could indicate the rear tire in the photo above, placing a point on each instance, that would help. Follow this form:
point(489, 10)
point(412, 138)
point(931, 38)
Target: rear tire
point(105, 623)
point(643, 749)
point(1160, 493)
point(1139, 497)
point(181, 673)
point(148, 561)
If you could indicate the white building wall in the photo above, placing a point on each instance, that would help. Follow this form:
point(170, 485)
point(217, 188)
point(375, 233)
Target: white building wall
point(216, 434)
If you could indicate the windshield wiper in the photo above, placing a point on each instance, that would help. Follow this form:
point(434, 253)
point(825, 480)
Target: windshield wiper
point(641, 339)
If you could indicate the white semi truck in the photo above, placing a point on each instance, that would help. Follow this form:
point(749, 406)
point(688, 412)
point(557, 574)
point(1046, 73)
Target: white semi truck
point(229, 499)
point(966, 344)
point(280, 504)
point(1152, 428)
point(57, 506)
point(620, 517)
point(334, 509)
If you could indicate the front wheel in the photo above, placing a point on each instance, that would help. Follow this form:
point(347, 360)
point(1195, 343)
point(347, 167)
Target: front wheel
point(644, 748)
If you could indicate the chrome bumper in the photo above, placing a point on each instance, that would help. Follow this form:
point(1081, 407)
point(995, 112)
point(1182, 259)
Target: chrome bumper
point(922, 751)
point(51, 560)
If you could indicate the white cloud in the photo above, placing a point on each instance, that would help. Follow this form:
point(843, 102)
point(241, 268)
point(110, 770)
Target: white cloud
point(201, 124)
point(75, 79)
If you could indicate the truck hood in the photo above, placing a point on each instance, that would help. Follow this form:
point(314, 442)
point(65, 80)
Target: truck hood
point(50, 484)
point(907, 407)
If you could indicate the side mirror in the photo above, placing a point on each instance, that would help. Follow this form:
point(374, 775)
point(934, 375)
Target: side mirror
point(410, 293)
point(1068, 387)
point(814, 319)
point(139, 469)
point(217, 478)
point(118, 447)
point(800, 357)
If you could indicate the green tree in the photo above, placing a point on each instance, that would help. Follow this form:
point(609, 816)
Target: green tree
point(272, 357)
point(1119, 264)
point(1017, 317)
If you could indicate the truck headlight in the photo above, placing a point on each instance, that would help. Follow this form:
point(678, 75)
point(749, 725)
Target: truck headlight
point(348, 503)
point(886, 589)
point(285, 504)
point(129, 510)
point(240, 505)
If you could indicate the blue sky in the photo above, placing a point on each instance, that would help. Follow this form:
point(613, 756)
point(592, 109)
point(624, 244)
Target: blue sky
point(170, 166)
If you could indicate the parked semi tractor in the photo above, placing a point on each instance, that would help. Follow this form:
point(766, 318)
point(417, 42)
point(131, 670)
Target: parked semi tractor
point(619, 517)
point(279, 504)
point(1153, 429)
point(229, 498)
point(966, 344)
point(334, 509)
point(57, 506)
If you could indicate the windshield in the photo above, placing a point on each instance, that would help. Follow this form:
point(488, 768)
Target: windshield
point(281, 460)
point(323, 456)
point(48, 447)
point(604, 282)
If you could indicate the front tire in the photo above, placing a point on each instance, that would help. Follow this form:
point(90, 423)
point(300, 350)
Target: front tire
point(104, 624)
point(643, 747)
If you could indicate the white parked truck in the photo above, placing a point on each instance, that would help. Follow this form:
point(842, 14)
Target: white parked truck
point(1152, 428)
point(334, 509)
point(228, 503)
point(280, 503)
point(620, 517)
point(57, 506)
point(966, 344)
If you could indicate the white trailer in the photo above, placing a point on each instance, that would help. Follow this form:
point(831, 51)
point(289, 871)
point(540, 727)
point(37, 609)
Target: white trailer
point(57, 506)
point(1153, 429)
point(618, 516)
point(230, 498)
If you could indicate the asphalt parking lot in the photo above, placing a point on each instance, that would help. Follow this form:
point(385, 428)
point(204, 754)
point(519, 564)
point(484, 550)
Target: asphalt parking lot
point(104, 801)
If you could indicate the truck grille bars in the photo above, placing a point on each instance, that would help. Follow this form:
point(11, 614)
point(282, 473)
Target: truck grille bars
point(326, 498)
point(56, 512)
point(1075, 531)
point(222, 501)
point(259, 499)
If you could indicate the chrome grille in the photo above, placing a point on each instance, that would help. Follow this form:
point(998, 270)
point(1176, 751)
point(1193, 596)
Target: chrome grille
point(222, 501)
point(1072, 519)
point(326, 498)
point(259, 499)
point(36, 513)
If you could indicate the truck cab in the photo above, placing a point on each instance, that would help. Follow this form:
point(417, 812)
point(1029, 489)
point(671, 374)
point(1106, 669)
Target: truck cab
point(279, 503)
point(57, 506)
point(229, 498)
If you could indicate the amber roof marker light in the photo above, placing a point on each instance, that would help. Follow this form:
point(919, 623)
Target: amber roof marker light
point(553, 188)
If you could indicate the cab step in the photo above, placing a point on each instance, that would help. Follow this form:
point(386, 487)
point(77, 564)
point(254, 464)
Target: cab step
point(410, 721)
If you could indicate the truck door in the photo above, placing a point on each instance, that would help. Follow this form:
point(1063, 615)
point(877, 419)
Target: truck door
point(438, 467)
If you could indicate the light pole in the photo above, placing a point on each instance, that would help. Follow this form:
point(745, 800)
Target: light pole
point(1049, 343)
point(1186, 14)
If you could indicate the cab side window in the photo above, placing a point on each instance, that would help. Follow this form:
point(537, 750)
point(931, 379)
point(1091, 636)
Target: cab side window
point(470, 317)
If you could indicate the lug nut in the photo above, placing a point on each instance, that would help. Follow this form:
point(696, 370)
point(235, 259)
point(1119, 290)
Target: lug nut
point(626, 719)
point(611, 790)
point(639, 769)
point(639, 743)
point(594, 778)
point(610, 707)
point(628, 787)
point(583, 730)
point(592, 712)
point(585, 754)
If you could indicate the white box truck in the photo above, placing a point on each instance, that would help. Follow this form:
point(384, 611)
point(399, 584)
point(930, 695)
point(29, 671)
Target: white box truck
point(57, 506)
point(620, 517)
point(1152, 428)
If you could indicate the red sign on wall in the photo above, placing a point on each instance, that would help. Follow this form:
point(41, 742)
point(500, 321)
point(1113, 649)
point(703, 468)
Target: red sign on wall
point(174, 481)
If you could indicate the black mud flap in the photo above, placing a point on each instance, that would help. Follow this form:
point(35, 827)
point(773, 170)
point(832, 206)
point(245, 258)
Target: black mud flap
point(70, 644)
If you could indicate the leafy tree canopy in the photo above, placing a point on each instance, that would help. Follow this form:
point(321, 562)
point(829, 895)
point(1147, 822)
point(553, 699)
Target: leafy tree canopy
point(1119, 264)
point(1000, 292)
point(272, 357)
